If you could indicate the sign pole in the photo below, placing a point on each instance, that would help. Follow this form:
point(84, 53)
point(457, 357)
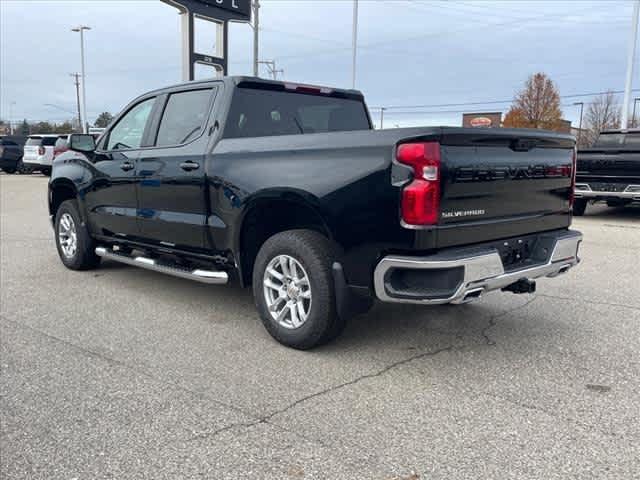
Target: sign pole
point(354, 43)
point(632, 50)
point(256, 35)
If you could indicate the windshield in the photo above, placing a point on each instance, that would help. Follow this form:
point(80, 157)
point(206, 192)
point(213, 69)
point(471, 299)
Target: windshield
point(260, 113)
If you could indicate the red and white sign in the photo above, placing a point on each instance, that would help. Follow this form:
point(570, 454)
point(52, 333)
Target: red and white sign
point(480, 122)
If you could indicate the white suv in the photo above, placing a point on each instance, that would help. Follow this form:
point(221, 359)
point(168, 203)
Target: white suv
point(38, 152)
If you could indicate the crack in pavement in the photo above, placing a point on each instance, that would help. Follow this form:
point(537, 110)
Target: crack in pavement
point(492, 321)
point(595, 302)
point(551, 413)
point(367, 376)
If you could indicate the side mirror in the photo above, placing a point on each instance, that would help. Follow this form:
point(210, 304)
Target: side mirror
point(81, 142)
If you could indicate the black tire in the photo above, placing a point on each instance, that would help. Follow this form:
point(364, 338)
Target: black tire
point(84, 257)
point(315, 254)
point(22, 168)
point(9, 170)
point(579, 207)
point(46, 172)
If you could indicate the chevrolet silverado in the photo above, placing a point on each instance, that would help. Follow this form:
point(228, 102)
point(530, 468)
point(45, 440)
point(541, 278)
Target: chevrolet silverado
point(288, 189)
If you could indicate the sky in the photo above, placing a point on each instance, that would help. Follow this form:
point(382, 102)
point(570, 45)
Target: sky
point(410, 52)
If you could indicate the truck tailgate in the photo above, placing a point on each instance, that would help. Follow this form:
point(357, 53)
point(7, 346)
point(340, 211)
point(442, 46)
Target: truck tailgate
point(499, 182)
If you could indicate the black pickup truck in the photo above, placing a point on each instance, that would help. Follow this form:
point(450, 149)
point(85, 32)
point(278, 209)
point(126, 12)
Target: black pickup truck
point(287, 188)
point(609, 171)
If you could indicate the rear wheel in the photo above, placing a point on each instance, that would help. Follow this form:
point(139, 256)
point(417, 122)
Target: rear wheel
point(579, 206)
point(75, 246)
point(46, 172)
point(9, 170)
point(294, 291)
point(22, 168)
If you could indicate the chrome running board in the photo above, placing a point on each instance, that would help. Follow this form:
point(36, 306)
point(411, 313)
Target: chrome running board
point(203, 276)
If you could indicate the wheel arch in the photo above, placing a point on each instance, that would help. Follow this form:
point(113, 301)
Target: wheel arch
point(60, 190)
point(271, 212)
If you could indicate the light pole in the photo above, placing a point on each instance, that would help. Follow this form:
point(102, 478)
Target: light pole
point(580, 122)
point(81, 29)
point(382, 109)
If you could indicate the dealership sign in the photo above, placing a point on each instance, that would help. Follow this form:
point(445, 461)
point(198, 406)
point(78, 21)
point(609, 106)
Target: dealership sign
point(208, 16)
point(239, 10)
point(480, 122)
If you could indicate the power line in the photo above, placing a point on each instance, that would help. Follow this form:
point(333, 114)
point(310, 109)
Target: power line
point(495, 102)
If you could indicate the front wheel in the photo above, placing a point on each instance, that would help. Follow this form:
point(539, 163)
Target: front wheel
point(9, 170)
point(294, 291)
point(75, 246)
point(579, 207)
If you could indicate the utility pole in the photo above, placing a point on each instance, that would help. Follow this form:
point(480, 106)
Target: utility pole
point(256, 35)
point(77, 82)
point(271, 66)
point(11, 104)
point(354, 43)
point(382, 109)
point(580, 123)
point(81, 29)
point(630, 58)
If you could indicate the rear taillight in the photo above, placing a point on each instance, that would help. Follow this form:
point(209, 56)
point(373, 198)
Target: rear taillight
point(574, 167)
point(420, 204)
point(40, 150)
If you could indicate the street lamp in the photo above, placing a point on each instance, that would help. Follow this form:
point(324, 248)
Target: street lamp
point(81, 29)
point(58, 107)
point(580, 123)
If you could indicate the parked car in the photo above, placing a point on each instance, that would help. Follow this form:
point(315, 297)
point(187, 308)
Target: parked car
point(38, 152)
point(288, 188)
point(609, 171)
point(11, 152)
point(60, 146)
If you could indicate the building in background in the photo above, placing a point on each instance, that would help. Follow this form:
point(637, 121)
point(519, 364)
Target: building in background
point(485, 119)
point(494, 120)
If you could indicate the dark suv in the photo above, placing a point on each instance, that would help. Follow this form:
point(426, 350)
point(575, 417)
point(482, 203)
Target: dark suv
point(11, 152)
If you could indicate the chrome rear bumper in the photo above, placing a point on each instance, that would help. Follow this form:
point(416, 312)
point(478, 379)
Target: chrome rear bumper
point(483, 271)
point(631, 192)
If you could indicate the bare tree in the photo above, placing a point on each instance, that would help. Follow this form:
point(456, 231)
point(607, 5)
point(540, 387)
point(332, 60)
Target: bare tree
point(603, 113)
point(537, 105)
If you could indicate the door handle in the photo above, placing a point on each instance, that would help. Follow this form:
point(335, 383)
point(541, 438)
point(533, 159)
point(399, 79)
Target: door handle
point(188, 166)
point(126, 166)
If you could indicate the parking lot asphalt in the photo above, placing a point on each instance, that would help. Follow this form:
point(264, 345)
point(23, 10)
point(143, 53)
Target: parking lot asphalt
point(128, 374)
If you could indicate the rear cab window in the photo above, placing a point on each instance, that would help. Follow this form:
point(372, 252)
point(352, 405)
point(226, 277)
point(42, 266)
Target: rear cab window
point(257, 112)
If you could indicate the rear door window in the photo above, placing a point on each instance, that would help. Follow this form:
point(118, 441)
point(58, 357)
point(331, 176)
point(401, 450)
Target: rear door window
point(49, 141)
point(184, 117)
